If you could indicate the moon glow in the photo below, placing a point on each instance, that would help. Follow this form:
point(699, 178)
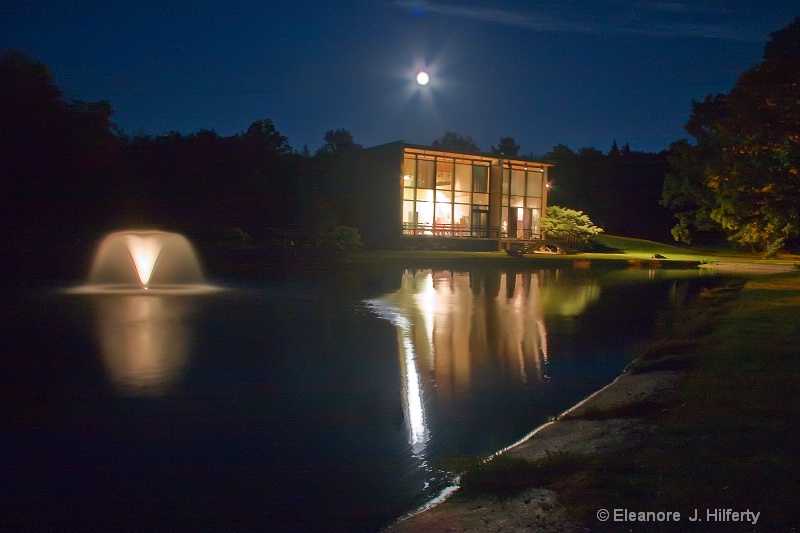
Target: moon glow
point(423, 78)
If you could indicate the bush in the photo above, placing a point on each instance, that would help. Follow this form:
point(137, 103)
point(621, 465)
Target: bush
point(342, 238)
point(774, 249)
point(560, 222)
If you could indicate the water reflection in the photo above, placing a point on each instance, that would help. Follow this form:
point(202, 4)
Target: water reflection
point(460, 332)
point(568, 299)
point(145, 341)
point(413, 412)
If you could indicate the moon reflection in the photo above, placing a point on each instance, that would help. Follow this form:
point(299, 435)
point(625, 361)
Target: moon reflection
point(145, 341)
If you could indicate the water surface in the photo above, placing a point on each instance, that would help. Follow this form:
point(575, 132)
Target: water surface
point(316, 405)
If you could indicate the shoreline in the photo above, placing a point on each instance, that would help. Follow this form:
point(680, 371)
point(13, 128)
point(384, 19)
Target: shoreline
point(751, 268)
point(575, 431)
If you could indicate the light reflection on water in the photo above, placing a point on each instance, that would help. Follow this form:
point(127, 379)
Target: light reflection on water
point(450, 324)
point(459, 333)
point(145, 341)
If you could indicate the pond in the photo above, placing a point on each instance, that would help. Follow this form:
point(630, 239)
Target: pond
point(327, 403)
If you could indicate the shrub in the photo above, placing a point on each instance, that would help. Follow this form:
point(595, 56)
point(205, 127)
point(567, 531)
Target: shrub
point(561, 222)
point(342, 238)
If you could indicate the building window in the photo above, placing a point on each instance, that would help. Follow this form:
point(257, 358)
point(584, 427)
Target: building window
point(425, 174)
point(461, 220)
point(517, 182)
point(463, 177)
point(409, 172)
point(480, 178)
point(535, 183)
point(424, 195)
point(461, 197)
point(444, 175)
point(449, 196)
point(480, 199)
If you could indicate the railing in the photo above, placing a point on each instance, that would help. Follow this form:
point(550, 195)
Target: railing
point(445, 230)
point(460, 230)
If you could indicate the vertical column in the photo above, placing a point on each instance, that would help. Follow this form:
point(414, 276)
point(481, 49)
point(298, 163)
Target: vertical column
point(495, 200)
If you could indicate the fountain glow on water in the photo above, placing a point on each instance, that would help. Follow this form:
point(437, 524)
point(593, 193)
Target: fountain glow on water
point(158, 262)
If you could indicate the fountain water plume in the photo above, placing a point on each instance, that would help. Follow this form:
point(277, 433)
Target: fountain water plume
point(133, 261)
point(144, 252)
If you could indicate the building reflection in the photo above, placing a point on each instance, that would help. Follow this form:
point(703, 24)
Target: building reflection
point(145, 341)
point(459, 332)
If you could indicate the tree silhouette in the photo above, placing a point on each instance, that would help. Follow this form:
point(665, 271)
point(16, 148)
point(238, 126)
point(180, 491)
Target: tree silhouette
point(508, 147)
point(456, 143)
point(614, 151)
point(262, 136)
point(57, 163)
point(337, 141)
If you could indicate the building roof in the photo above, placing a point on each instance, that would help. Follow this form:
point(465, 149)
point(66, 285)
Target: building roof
point(481, 156)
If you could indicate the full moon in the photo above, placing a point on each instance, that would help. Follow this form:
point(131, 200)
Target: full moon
point(423, 78)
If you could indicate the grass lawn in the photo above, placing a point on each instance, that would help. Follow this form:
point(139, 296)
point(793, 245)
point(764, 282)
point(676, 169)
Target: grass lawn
point(626, 249)
point(728, 438)
point(642, 249)
point(623, 252)
point(731, 438)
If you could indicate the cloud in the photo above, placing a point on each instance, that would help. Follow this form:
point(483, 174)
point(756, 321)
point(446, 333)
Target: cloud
point(655, 19)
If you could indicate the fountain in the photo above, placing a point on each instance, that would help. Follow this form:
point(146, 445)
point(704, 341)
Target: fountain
point(142, 285)
point(159, 262)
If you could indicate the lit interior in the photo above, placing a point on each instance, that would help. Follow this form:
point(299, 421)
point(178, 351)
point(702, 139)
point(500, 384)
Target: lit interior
point(448, 194)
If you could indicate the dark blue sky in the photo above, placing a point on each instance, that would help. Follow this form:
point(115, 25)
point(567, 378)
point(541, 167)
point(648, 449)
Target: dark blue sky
point(579, 73)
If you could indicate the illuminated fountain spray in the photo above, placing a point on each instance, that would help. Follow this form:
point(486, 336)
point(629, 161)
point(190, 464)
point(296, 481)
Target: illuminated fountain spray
point(145, 251)
point(142, 285)
point(156, 261)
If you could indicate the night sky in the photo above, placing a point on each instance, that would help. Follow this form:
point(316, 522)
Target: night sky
point(581, 73)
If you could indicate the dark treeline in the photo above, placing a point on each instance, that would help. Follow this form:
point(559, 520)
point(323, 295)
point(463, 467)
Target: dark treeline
point(620, 190)
point(69, 176)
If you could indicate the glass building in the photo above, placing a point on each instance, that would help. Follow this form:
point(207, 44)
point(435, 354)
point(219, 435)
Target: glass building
point(462, 196)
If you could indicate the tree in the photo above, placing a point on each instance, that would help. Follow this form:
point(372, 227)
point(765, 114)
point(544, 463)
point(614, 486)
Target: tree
point(58, 168)
point(745, 178)
point(614, 152)
point(508, 147)
point(454, 142)
point(262, 136)
point(34, 125)
point(685, 193)
point(561, 222)
point(338, 141)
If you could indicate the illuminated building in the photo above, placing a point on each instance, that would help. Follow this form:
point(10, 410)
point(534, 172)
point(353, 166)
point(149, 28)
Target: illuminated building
point(420, 195)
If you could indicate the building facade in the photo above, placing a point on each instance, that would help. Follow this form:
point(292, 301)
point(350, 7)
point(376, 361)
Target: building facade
point(450, 195)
